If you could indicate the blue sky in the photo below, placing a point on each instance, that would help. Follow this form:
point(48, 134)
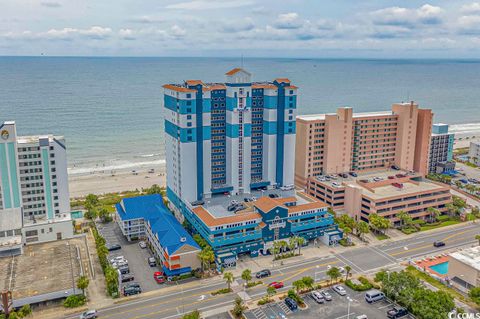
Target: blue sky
point(254, 28)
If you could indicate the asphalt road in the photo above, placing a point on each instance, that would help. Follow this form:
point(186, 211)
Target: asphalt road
point(362, 260)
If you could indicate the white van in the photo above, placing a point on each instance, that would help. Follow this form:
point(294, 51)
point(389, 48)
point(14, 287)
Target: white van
point(374, 295)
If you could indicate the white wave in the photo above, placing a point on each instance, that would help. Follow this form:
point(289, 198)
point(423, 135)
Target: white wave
point(465, 129)
point(149, 155)
point(114, 167)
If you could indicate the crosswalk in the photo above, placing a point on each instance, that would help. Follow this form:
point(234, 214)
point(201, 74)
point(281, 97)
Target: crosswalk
point(259, 314)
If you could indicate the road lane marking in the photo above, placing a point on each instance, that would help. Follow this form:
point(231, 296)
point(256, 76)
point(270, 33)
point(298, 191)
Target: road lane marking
point(383, 254)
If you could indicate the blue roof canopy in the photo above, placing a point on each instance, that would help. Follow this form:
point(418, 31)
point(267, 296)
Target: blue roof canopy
point(171, 234)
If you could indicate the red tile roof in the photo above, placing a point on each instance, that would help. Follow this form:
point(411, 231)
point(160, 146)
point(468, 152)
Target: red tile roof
point(233, 71)
point(282, 80)
point(209, 220)
point(194, 82)
point(178, 88)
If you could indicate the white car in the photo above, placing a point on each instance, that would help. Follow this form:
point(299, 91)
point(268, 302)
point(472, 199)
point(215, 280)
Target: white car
point(339, 290)
point(118, 259)
point(341, 270)
point(377, 179)
point(326, 295)
point(90, 314)
point(318, 297)
point(142, 244)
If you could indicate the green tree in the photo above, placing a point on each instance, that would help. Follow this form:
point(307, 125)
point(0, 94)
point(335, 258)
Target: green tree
point(348, 269)
point(474, 293)
point(155, 189)
point(271, 291)
point(379, 223)
point(228, 276)
point(192, 315)
point(299, 285)
point(200, 241)
point(347, 231)
point(362, 228)
point(300, 242)
point(238, 308)
point(405, 219)
point(91, 201)
point(207, 256)
point(82, 283)
point(476, 211)
point(25, 311)
point(334, 274)
point(104, 215)
point(433, 213)
point(308, 282)
point(247, 275)
point(477, 237)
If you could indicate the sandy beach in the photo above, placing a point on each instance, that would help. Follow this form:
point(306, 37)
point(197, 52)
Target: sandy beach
point(101, 183)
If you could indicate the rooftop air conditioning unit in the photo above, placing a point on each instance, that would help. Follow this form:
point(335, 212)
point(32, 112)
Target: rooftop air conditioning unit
point(183, 239)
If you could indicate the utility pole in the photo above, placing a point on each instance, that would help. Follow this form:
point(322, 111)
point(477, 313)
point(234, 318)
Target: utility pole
point(7, 301)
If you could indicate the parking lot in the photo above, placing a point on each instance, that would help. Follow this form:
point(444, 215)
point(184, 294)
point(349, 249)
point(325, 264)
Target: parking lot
point(335, 309)
point(136, 256)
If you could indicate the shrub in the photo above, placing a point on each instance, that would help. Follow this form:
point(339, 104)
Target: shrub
point(221, 291)
point(365, 284)
point(254, 283)
point(24, 311)
point(74, 301)
point(292, 294)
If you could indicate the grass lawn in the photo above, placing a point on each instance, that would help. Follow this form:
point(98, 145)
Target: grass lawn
point(442, 224)
point(457, 295)
point(381, 236)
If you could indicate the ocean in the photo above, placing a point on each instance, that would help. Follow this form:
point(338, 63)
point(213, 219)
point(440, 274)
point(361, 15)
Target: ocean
point(110, 110)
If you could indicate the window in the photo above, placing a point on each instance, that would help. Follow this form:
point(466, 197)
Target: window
point(189, 95)
point(189, 124)
point(30, 233)
point(189, 102)
point(189, 117)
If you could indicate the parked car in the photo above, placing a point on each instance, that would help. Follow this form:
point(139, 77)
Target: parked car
point(131, 290)
point(374, 295)
point(361, 317)
point(231, 207)
point(197, 203)
point(339, 290)
point(114, 247)
point(318, 297)
point(246, 199)
point(326, 295)
point(117, 259)
point(127, 277)
point(263, 273)
point(292, 304)
point(271, 195)
point(353, 174)
point(344, 175)
point(159, 277)
point(152, 262)
point(89, 314)
point(276, 284)
point(391, 177)
point(438, 243)
point(397, 312)
point(464, 181)
point(377, 179)
point(400, 175)
point(395, 167)
point(142, 244)
point(124, 270)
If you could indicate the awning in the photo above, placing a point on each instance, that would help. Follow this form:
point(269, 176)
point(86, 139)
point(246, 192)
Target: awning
point(176, 272)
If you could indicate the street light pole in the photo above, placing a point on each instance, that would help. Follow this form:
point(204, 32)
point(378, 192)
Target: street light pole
point(348, 307)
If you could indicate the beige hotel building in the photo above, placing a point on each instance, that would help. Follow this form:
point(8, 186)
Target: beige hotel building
point(382, 156)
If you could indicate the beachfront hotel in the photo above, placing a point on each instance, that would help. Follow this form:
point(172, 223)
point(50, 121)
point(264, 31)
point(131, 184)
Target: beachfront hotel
point(34, 197)
point(365, 163)
point(440, 159)
point(229, 146)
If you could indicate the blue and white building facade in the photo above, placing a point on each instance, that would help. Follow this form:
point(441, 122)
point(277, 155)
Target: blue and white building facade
point(34, 196)
point(229, 137)
point(441, 150)
point(236, 141)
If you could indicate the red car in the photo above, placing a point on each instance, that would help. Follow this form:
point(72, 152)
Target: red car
point(276, 284)
point(159, 277)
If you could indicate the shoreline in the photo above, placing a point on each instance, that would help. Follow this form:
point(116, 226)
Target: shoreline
point(125, 180)
point(102, 183)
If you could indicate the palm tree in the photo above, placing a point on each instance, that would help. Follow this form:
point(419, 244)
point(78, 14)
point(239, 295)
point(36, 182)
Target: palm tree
point(363, 228)
point(228, 276)
point(333, 273)
point(238, 308)
point(298, 285)
point(403, 217)
point(271, 291)
point(308, 282)
point(300, 242)
point(292, 242)
point(276, 249)
point(347, 231)
point(348, 269)
point(433, 213)
point(247, 275)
